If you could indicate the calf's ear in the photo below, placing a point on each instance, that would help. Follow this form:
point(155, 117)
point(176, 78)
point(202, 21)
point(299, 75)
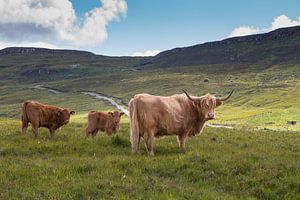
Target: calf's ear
point(122, 113)
point(72, 112)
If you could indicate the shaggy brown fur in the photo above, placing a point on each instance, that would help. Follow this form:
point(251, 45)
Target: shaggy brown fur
point(107, 122)
point(182, 115)
point(42, 115)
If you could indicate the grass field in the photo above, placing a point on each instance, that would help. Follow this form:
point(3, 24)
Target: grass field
point(219, 164)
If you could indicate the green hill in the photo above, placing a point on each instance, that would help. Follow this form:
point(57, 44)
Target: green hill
point(281, 46)
point(263, 68)
point(38, 64)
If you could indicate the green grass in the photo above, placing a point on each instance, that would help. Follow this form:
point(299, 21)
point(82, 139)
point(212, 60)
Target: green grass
point(219, 164)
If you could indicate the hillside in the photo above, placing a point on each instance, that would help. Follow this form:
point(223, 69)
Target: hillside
point(36, 64)
point(281, 46)
point(247, 53)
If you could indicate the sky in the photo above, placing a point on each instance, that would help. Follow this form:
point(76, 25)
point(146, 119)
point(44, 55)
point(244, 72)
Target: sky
point(137, 27)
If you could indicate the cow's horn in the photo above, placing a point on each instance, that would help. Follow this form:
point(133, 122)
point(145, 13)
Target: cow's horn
point(190, 98)
point(226, 98)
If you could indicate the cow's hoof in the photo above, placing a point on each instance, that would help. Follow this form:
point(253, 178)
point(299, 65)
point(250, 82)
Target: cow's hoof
point(135, 153)
point(151, 154)
point(183, 150)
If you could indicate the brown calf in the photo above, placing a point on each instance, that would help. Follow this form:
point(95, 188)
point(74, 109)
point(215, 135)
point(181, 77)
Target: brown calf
point(106, 122)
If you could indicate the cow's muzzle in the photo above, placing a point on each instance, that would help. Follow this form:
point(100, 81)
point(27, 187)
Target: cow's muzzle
point(210, 116)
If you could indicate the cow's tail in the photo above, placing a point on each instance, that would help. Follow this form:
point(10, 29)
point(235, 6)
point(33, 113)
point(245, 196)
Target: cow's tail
point(134, 125)
point(24, 117)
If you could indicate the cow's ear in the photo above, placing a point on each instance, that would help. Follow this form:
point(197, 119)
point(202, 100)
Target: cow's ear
point(196, 104)
point(72, 112)
point(218, 102)
point(59, 113)
point(122, 113)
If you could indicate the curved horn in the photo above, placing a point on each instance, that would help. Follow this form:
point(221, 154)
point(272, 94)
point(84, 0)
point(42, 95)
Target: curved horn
point(226, 98)
point(190, 98)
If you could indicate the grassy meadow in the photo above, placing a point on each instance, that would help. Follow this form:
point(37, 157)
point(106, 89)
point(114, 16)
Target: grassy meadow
point(219, 164)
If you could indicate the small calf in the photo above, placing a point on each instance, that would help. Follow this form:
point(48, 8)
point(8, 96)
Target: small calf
point(106, 122)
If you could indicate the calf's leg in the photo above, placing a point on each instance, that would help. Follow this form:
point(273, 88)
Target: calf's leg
point(91, 131)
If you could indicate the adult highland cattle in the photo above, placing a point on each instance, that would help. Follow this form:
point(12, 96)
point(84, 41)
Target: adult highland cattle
point(182, 115)
point(42, 115)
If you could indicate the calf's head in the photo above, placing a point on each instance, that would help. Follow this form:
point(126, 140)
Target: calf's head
point(206, 104)
point(116, 117)
point(64, 115)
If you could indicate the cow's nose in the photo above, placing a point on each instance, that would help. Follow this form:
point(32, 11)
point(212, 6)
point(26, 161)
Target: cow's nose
point(211, 115)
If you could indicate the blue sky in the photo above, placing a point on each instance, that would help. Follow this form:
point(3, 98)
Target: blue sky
point(165, 24)
point(156, 25)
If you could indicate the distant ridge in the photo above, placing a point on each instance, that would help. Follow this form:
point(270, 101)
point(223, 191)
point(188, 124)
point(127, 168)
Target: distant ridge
point(278, 46)
point(34, 50)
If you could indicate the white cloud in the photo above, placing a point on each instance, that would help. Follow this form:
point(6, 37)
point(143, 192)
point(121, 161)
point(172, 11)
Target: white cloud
point(94, 26)
point(146, 53)
point(284, 21)
point(278, 22)
point(48, 20)
point(244, 30)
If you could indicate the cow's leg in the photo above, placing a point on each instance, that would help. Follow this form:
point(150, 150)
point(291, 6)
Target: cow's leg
point(94, 133)
point(88, 132)
point(35, 130)
point(135, 143)
point(24, 126)
point(149, 139)
point(181, 141)
point(52, 132)
point(138, 143)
